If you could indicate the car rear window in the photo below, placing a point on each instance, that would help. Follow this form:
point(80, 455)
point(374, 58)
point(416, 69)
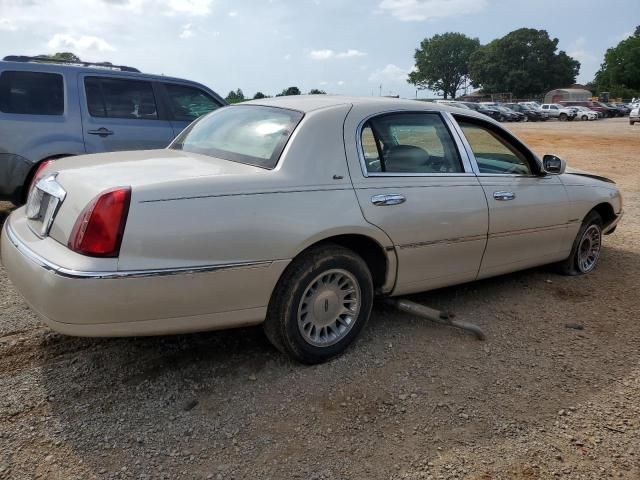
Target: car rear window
point(115, 98)
point(32, 93)
point(251, 134)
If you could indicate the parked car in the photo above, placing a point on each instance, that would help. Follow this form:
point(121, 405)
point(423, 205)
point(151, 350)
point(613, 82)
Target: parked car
point(295, 212)
point(602, 109)
point(558, 111)
point(584, 113)
point(50, 110)
point(634, 115)
point(506, 114)
point(623, 110)
point(529, 113)
point(489, 112)
point(537, 107)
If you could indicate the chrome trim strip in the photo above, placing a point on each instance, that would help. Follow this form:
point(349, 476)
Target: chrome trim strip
point(448, 122)
point(82, 274)
point(242, 194)
point(529, 230)
point(472, 238)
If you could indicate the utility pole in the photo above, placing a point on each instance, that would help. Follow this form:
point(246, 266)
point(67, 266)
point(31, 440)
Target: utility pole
point(380, 89)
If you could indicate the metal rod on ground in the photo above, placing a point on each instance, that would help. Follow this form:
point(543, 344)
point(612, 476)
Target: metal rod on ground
point(434, 315)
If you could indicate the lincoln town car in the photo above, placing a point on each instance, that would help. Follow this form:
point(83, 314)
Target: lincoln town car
point(295, 213)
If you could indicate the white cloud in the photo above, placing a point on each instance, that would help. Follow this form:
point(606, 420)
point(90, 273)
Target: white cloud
point(79, 44)
point(340, 82)
point(187, 32)
point(190, 7)
point(327, 54)
point(390, 73)
point(323, 83)
point(623, 36)
point(233, 13)
point(421, 10)
point(578, 50)
point(287, 57)
point(7, 25)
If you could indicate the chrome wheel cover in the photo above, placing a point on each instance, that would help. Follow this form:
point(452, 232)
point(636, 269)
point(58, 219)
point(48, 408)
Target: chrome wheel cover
point(329, 308)
point(589, 248)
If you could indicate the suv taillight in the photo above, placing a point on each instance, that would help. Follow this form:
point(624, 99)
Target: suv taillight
point(99, 228)
point(37, 175)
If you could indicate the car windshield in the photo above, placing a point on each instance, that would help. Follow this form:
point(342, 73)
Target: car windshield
point(251, 134)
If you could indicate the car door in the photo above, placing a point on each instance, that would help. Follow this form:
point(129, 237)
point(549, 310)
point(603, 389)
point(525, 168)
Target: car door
point(413, 181)
point(121, 114)
point(528, 210)
point(185, 103)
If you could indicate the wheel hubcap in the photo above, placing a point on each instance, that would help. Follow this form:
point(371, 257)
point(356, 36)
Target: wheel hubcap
point(329, 308)
point(589, 248)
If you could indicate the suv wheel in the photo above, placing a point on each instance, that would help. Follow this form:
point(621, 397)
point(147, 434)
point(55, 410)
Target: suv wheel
point(562, 117)
point(320, 304)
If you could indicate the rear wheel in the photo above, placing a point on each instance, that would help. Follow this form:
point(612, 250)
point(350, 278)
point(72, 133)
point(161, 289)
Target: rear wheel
point(562, 117)
point(320, 304)
point(585, 251)
point(584, 117)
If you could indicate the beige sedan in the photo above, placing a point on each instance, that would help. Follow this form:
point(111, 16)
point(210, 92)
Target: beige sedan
point(295, 212)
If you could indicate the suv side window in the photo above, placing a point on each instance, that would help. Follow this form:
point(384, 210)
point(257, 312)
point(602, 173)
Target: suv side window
point(31, 93)
point(188, 103)
point(409, 143)
point(118, 98)
point(493, 153)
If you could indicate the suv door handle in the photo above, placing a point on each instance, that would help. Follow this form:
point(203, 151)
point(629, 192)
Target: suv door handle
point(103, 132)
point(388, 199)
point(503, 196)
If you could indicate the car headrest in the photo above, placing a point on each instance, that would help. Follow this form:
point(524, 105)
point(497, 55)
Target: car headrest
point(406, 159)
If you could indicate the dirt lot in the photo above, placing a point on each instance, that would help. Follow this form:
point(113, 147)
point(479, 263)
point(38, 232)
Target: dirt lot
point(410, 400)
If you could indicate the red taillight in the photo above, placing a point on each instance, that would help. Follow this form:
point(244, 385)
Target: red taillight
point(99, 228)
point(37, 175)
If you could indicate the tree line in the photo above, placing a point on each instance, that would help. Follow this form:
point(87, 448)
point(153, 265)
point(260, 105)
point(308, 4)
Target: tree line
point(525, 62)
point(235, 96)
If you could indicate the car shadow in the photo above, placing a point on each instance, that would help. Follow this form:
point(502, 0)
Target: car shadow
point(117, 400)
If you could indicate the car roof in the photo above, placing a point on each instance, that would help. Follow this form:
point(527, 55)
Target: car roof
point(65, 67)
point(308, 103)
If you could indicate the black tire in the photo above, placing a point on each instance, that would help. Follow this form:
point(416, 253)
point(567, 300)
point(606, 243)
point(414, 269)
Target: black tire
point(281, 323)
point(584, 117)
point(562, 117)
point(571, 266)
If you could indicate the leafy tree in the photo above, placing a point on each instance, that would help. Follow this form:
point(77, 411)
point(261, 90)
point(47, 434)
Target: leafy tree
point(442, 62)
point(636, 32)
point(619, 74)
point(259, 95)
point(315, 91)
point(289, 91)
point(66, 56)
point(522, 62)
point(235, 97)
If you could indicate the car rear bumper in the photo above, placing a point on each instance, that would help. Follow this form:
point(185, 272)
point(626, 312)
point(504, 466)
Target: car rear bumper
point(87, 303)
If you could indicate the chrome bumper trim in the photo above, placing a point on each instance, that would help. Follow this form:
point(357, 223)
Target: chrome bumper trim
point(81, 274)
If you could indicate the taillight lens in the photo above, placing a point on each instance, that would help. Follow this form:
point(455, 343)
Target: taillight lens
point(99, 228)
point(38, 173)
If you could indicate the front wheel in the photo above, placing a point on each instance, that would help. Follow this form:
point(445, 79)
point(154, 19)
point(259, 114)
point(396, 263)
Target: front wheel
point(585, 251)
point(584, 117)
point(562, 117)
point(320, 304)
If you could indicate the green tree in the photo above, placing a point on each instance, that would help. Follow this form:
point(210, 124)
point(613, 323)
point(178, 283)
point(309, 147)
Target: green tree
point(523, 62)
point(235, 96)
point(619, 74)
point(66, 56)
point(315, 91)
point(259, 95)
point(289, 91)
point(442, 62)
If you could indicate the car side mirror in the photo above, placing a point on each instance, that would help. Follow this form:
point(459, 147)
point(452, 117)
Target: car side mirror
point(553, 165)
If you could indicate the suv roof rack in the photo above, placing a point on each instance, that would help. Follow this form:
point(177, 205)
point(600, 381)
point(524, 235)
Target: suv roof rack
point(107, 65)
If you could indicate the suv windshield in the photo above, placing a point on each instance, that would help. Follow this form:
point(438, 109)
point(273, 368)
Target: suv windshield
point(250, 134)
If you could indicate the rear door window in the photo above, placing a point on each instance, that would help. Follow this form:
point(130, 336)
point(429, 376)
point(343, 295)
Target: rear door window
point(117, 98)
point(188, 103)
point(31, 93)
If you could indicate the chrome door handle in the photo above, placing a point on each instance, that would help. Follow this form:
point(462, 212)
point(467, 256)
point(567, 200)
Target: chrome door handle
point(504, 195)
point(388, 199)
point(103, 132)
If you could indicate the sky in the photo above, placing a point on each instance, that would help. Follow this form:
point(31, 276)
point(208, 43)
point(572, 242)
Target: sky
point(361, 47)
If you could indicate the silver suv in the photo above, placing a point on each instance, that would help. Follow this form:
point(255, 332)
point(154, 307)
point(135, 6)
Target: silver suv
point(555, 110)
point(51, 109)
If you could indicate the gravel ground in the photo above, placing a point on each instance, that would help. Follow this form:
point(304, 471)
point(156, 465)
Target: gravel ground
point(411, 400)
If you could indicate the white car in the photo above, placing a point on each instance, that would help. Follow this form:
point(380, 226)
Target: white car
point(584, 113)
point(634, 115)
point(555, 110)
point(295, 212)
